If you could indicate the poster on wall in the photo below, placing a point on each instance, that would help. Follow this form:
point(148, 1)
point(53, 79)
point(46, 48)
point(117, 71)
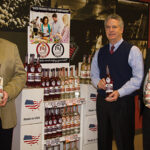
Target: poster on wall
point(49, 36)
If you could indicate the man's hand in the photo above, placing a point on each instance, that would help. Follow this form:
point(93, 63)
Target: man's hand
point(113, 96)
point(4, 100)
point(102, 84)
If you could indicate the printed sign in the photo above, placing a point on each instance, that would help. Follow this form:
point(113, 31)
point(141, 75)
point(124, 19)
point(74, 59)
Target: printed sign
point(49, 35)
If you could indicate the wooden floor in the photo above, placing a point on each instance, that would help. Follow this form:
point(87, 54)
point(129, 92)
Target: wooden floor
point(137, 142)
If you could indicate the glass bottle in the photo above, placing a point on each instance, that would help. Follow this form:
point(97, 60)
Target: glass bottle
point(52, 85)
point(59, 122)
point(64, 146)
point(46, 123)
point(54, 124)
point(72, 83)
point(68, 121)
point(83, 72)
point(109, 82)
point(46, 89)
point(67, 87)
point(76, 120)
point(57, 86)
point(62, 83)
point(38, 70)
point(71, 120)
point(50, 125)
point(31, 71)
point(88, 80)
point(77, 84)
point(64, 122)
point(70, 146)
point(75, 145)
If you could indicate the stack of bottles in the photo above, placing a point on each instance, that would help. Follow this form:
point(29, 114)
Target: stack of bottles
point(61, 122)
point(58, 83)
point(66, 146)
point(85, 70)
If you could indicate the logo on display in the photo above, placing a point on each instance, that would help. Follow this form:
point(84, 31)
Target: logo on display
point(93, 97)
point(58, 50)
point(93, 127)
point(31, 104)
point(29, 139)
point(43, 49)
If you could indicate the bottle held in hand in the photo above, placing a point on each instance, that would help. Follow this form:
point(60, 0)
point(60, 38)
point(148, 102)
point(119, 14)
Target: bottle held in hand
point(109, 83)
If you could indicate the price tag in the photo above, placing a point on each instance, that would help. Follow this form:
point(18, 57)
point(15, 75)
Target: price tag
point(48, 142)
point(67, 139)
point(55, 142)
point(63, 103)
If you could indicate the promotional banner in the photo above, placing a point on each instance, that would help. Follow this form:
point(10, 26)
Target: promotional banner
point(49, 36)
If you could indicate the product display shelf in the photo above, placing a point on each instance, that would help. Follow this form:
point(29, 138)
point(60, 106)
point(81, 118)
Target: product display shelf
point(68, 138)
point(63, 102)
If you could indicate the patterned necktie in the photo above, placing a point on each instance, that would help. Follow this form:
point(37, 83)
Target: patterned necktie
point(112, 49)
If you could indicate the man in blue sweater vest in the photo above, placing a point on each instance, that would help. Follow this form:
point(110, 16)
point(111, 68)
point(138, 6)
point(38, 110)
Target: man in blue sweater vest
point(115, 113)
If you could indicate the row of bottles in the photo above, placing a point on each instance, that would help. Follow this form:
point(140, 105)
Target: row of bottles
point(58, 83)
point(61, 122)
point(85, 70)
point(66, 146)
point(33, 69)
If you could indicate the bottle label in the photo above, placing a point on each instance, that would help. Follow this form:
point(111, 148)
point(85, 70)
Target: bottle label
point(88, 74)
point(51, 90)
point(47, 83)
point(40, 69)
point(37, 77)
point(67, 89)
point(31, 77)
point(49, 129)
point(63, 122)
point(53, 83)
point(84, 74)
point(46, 123)
point(77, 120)
point(46, 91)
point(57, 89)
point(58, 83)
point(32, 69)
point(109, 88)
point(43, 84)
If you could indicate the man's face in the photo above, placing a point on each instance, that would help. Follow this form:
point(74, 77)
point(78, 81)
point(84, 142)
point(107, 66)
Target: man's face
point(55, 19)
point(113, 30)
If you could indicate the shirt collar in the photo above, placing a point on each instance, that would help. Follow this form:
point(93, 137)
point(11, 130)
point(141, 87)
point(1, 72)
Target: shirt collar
point(116, 45)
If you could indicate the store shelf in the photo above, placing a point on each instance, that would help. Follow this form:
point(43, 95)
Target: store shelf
point(56, 141)
point(63, 103)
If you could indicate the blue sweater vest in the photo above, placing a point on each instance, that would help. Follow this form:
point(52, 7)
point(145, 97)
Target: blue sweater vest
point(120, 71)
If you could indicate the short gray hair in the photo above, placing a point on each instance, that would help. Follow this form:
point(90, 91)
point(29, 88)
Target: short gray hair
point(116, 17)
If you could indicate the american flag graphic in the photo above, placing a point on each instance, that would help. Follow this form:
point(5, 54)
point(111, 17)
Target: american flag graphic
point(32, 104)
point(93, 97)
point(29, 139)
point(93, 127)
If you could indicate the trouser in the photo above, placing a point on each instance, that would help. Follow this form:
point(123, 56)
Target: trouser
point(116, 120)
point(5, 138)
point(146, 128)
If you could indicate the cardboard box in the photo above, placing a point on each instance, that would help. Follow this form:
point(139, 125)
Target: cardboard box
point(90, 94)
point(29, 106)
point(90, 130)
point(92, 146)
point(27, 137)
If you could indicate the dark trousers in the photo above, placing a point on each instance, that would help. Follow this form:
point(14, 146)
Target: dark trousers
point(146, 128)
point(116, 120)
point(5, 138)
